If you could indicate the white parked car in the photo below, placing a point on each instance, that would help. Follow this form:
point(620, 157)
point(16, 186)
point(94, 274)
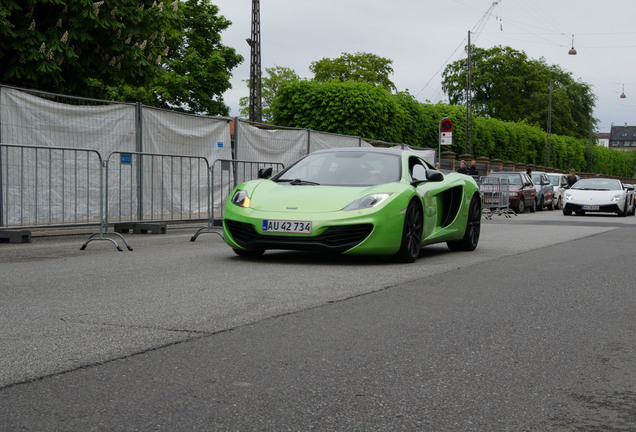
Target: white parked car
point(559, 183)
point(599, 195)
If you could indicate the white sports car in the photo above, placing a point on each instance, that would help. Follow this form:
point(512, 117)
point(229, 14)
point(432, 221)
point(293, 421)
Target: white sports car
point(599, 195)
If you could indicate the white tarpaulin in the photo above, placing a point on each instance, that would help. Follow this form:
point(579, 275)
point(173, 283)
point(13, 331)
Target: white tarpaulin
point(33, 120)
point(270, 145)
point(323, 140)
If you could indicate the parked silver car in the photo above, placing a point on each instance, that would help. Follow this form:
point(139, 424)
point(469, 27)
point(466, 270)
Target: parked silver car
point(559, 182)
point(545, 190)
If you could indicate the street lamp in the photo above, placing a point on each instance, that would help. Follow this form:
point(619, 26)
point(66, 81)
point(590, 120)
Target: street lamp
point(622, 96)
point(572, 50)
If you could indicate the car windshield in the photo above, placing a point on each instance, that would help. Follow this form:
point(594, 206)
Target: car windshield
point(597, 184)
point(554, 180)
point(343, 168)
point(513, 179)
point(536, 179)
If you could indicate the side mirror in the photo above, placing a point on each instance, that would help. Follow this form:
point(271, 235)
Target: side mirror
point(421, 174)
point(265, 173)
point(434, 176)
point(629, 187)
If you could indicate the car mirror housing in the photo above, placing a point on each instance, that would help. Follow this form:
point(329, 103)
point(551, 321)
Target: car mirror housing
point(265, 173)
point(434, 176)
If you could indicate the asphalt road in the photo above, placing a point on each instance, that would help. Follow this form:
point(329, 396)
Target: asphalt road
point(534, 331)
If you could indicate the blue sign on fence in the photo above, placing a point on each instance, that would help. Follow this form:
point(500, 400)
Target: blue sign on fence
point(219, 144)
point(126, 158)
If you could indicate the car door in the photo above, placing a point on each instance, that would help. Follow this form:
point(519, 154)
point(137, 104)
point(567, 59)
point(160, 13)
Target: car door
point(529, 191)
point(548, 189)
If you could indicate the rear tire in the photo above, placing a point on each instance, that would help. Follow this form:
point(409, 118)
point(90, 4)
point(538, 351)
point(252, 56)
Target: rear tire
point(540, 205)
point(411, 234)
point(534, 207)
point(567, 212)
point(473, 227)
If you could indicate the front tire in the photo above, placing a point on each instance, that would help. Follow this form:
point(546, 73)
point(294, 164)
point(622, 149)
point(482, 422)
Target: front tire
point(473, 227)
point(567, 212)
point(522, 206)
point(558, 204)
point(540, 205)
point(411, 234)
point(534, 207)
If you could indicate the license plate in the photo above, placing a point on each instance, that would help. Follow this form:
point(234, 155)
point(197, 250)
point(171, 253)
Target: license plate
point(590, 207)
point(286, 226)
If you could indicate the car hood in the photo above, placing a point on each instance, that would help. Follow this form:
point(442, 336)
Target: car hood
point(271, 196)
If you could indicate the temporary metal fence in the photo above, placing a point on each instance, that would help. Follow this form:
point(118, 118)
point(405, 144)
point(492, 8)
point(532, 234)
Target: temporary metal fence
point(226, 174)
point(49, 186)
point(495, 196)
point(155, 187)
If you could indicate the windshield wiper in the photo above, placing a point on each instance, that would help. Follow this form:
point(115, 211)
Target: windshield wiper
point(297, 182)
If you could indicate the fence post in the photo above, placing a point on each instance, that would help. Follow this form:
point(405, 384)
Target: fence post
point(308, 140)
point(140, 163)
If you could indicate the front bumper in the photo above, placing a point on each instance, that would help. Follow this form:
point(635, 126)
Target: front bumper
point(602, 208)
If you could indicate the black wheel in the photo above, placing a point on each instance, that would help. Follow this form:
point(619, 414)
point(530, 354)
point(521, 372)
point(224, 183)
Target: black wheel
point(567, 212)
point(551, 205)
point(540, 205)
point(534, 207)
point(624, 212)
point(473, 227)
point(558, 204)
point(411, 234)
point(249, 252)
point(522, 206)
point(580, 213)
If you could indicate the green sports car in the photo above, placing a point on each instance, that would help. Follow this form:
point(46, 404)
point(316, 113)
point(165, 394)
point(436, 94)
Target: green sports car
point(362, 200)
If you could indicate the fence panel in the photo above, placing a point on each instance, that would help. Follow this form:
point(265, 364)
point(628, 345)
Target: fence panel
point(495, 196)
point(49, 186)
point(156, 187)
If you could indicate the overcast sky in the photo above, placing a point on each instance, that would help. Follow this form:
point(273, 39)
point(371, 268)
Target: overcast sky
point(422, 36)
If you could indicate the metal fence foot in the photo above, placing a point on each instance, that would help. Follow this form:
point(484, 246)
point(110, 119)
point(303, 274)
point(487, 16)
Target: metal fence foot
point(100, 236)
point(204, 230)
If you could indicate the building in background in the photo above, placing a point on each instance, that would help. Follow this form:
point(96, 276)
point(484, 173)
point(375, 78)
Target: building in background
point(623, 138)
point(603, 139)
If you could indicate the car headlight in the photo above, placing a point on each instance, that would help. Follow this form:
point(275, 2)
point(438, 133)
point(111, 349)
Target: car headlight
point(241, 199)
point(568, 196)
point(616, 198)
point(367, 201)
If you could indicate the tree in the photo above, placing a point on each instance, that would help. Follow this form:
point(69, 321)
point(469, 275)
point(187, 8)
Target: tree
point(165, 53)
point(349, 108)
point(509, 86)
point(196, 73)
point(360, 67)
point(270, 83)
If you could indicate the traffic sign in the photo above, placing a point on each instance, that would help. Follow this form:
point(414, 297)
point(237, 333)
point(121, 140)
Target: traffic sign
point(446, 125)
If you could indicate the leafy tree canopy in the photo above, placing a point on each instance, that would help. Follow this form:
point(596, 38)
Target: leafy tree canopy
point(509, 86)
point(360, 67)
point(270, 83)
point(162, 53)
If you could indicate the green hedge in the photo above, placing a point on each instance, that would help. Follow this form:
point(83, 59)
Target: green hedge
point(360, 109)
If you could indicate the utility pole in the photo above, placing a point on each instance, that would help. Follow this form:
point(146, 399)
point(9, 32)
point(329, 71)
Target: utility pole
point(256, 108)
point(468, 147)
point(549, 136)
